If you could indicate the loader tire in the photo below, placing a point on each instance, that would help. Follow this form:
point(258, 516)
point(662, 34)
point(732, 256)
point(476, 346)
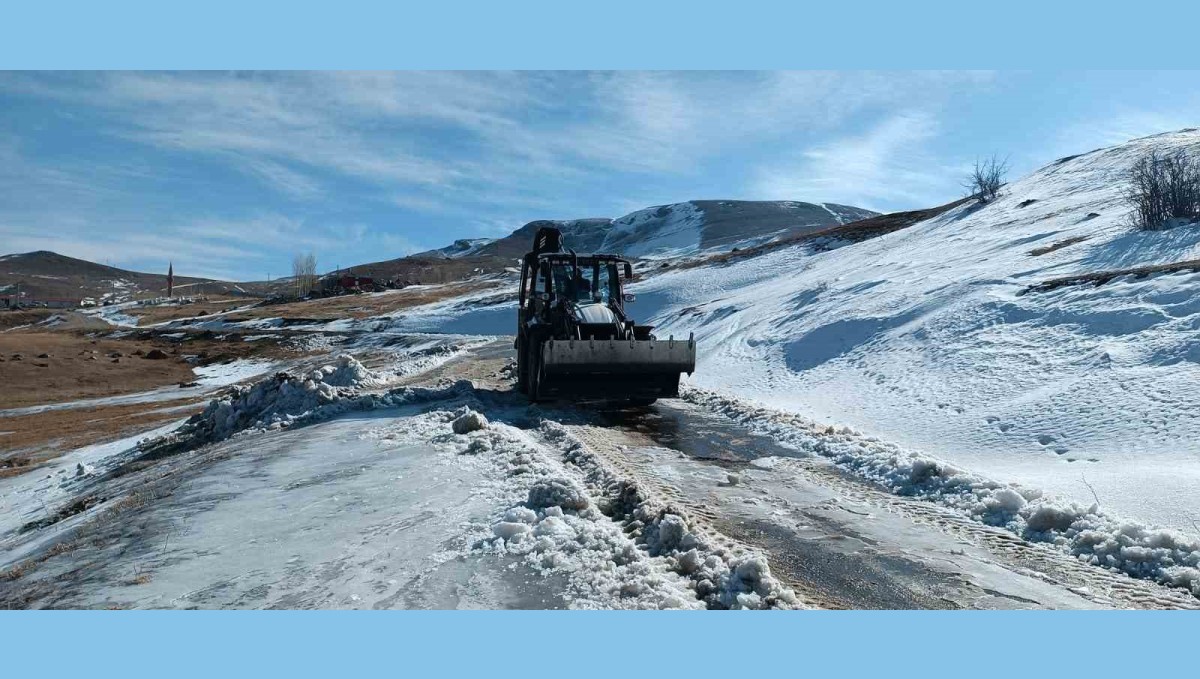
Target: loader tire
point(522, 368)
point(534, 367)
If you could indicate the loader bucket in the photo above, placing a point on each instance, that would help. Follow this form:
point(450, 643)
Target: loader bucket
point(616, 368)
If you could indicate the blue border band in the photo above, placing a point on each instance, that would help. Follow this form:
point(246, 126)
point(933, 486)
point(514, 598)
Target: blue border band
point(594, 644)
point(453, 34)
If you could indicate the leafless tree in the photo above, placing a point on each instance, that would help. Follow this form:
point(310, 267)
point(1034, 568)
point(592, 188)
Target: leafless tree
point(304, 273)
point(1164, 188)
point(985, 180)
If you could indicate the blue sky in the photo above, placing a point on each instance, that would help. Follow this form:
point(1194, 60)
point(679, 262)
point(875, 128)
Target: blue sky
point(230, 174)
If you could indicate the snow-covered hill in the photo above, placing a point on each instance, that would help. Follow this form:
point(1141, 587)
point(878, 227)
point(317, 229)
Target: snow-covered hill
point(930, 337)
point(719, 225)
point(683, 229)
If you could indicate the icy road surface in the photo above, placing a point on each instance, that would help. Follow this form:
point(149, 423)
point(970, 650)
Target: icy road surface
point(327, 490)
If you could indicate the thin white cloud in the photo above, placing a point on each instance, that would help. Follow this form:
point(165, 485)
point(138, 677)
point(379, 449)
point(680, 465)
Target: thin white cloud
point(885, 165)
point(282, 128)
point(488, 150)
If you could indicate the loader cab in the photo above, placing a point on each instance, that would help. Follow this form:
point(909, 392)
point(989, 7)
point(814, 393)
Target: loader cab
point(600, 282)
point(558, 278)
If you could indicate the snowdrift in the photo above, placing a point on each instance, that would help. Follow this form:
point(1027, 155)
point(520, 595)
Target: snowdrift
point(936, 338)
point(1085, 531)
point(289, 399)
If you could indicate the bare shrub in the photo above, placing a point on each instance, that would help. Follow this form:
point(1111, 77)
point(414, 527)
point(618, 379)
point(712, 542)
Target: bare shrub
point(984, 182)
point(1164, 188)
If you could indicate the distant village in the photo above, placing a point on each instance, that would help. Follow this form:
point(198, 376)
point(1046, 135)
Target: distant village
point(328, 285)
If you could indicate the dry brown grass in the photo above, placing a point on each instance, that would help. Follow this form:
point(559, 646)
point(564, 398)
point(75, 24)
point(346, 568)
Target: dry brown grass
point(1102, 277)
point(78, 367)
point(361, 306)
point(1046, 249)
point(41, 437)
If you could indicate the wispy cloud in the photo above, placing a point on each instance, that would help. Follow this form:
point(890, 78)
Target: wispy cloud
point(240, 169)
point(888, 163)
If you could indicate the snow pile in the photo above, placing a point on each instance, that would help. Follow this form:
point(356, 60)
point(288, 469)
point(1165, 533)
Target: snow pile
point(468, 422)
point(561, 514)
point(1087, 532)
point(273, 402)
point(720, 576)
point(288, 399)
point(345, 372)
point(546, 519)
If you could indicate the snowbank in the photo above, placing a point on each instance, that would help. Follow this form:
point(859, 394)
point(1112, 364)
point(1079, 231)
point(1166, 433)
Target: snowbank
point(720, 576)
point(563, 513)
point(290, 398)
point(543, 515)
point(1087, 532)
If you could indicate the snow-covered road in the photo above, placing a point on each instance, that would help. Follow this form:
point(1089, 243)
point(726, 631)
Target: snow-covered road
point(446, 490)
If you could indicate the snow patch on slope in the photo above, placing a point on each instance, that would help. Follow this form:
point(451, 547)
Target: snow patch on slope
point(666, 231)
point(928, 337)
